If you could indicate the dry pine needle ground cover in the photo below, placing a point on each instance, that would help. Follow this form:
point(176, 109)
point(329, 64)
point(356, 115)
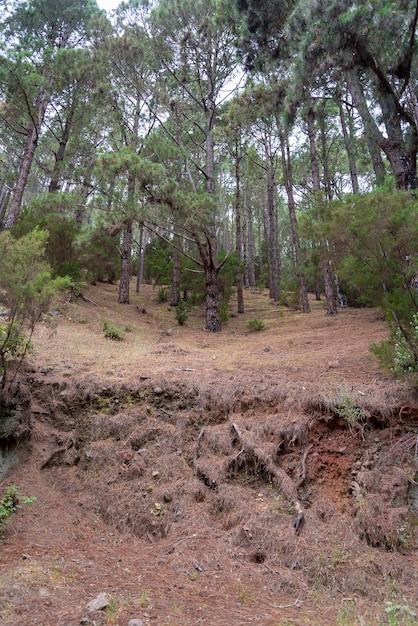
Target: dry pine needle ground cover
point(170, 469)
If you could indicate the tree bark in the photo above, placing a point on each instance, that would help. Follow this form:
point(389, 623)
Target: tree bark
point(141, 257)
point(372, 134)
point(175, 282)
point(54, 185)
point(297, 261)
point(349, 149)
point(213, 317)
point(331, 305)
point(272, 230)
point(126, 272)
point(238, 226)
point(32, 139)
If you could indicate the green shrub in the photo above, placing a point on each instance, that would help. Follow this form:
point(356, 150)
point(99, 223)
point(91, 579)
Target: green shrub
point(224, 312)
point(354, 416)
point(181, 313)
point(27, 293)
point(162, 295)
point(111, 332)
point(255, 325)
point(10, 502)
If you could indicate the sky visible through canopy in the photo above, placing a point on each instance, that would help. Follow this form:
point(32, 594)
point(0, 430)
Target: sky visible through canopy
point(108, 5)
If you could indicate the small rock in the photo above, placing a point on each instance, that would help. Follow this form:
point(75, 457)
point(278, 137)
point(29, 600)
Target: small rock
point(158, 391)
point(135, 622)
point(99, 603)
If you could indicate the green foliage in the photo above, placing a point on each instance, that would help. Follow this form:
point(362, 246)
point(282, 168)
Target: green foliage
point(346, 408)
point(400, 613)
point(54, 212)
point(158, 266)
point(98, 253)
point(181, 313)
point(375, 237)
point(27, 292)
point(162, 295)
point(13, 343)
point(111, 332)
point(224, 312)
point(10, 502)
point(255, 325)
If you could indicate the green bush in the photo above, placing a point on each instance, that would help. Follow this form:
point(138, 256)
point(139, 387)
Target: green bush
point(224, 312)
point(27, 293)
point(181, 313)
point(10, 502)
point(162, 295)
point(111, 332)
point(255, 325)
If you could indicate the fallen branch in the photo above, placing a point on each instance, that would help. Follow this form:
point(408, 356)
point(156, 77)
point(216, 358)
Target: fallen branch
point(83, 297)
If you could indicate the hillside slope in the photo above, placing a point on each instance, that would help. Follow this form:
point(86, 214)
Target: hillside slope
point(171, 468)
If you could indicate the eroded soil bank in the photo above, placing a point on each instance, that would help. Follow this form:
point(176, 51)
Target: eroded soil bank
point(199, 479)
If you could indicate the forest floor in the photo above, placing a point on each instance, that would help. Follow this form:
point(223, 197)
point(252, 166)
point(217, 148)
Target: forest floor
point(169, 470)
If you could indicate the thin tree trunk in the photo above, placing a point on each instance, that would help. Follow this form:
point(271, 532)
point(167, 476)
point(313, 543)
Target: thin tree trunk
point(250, 248)
point(141, 257)
point(272, 230)
point(288, 183)
point(239, 276)
point(59, 158)
point(330, 300)
point(331, 306)
point(350, 153)
point(175, 282)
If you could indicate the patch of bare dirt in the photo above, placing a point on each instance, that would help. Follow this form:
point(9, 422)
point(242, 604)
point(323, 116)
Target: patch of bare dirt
point(199, 478)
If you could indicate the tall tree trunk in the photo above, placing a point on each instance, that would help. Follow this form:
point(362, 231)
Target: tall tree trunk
point(272, 230)
point(238, 226)
point(249, 264)
point(331, 305)
point(126, 271)
point(288, 183)
point(209, 249)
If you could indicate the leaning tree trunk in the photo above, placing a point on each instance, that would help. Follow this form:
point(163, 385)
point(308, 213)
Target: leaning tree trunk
point(25, 165)
point(372, 133)
point(31, 144)
point(125, 273)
